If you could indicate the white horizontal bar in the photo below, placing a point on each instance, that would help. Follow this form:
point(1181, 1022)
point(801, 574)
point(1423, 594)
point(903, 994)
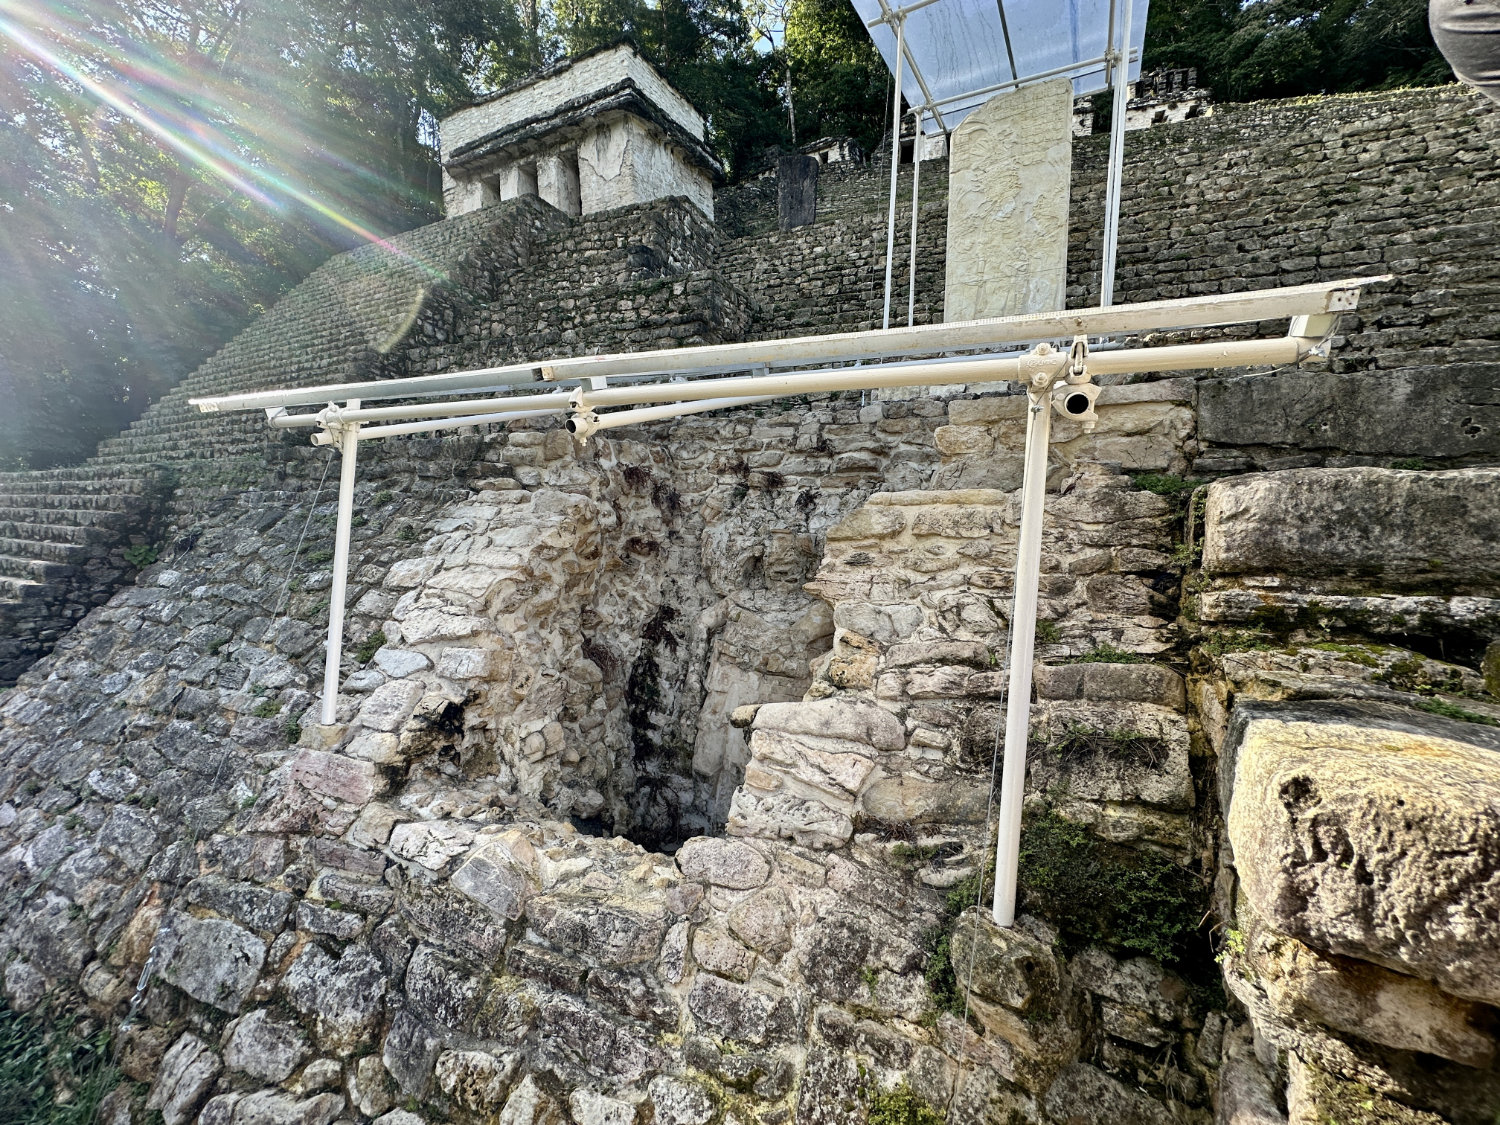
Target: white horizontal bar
point(618, 418)
point(930, 339)
point(399, 428)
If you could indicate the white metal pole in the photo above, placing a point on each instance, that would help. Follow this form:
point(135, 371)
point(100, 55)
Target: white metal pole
point(890, 225)
point(633, 417)
point(916, 191)
point(349, 451)
point(1116, 161)
point(1022, 648)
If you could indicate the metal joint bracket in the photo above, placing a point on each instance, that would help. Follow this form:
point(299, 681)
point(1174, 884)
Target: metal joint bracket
point(1041, 368)
point(1315, 331)
point(1078, 356)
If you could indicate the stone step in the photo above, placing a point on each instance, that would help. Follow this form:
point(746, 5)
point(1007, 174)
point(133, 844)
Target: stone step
point(45, 550)
point(14, 589)
point(103, 518)
point(85, 473)
point(82, 535)
point(34, 570)
point(118, 485)
point(61, 502)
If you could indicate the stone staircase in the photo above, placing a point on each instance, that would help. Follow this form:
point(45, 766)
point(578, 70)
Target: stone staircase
point(65, 533)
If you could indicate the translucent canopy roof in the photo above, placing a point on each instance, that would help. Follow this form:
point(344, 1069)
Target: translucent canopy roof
point(965, 50)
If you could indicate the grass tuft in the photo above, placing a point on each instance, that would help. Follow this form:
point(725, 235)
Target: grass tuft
point(49, 1073)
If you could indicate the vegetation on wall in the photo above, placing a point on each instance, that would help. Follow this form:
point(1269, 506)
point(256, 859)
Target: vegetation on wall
point(51, 1073)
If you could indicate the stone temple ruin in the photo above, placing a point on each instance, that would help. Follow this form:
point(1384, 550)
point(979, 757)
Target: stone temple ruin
point(590, 134)
point(660, 786)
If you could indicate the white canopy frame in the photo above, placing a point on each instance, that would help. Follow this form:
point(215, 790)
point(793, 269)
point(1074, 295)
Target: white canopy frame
point(1115, 64)
point(675, 382)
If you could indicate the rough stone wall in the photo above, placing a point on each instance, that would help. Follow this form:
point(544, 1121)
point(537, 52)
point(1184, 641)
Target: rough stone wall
point(411, 908)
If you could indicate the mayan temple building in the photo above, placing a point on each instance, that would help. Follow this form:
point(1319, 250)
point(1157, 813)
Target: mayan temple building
point(663, 778)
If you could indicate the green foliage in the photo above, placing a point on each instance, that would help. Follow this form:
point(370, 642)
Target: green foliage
point(1047, 633)
point(1414, 463)
point(407, 534)
point(260, 140)
point(942, 982)
point(369, 646)
point(1355, 654)
point(142, 555)
point(1286, 48)
point(1238, 640)
point(266, 709)
point(1093, 891)
point(384, 496)
point(291, 730)
point(1185, 556)
point(1164, 484)
point(1107, 654)
point(1453, 711)
point(49, 1073)
point(1079, 743)
point(902, 1106)
point(1234, 946)
point(840, 86)
point(321, 555)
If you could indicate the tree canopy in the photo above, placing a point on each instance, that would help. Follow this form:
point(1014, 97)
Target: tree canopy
point(169, 167)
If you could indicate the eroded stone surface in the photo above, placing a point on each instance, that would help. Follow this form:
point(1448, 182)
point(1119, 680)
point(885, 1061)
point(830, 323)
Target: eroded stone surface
point(1371, 832)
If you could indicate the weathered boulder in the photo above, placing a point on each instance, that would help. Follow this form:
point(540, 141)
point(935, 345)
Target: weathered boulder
point(847, 719)
point(1111, 683)
point(273, 1107)
point(346, 998)
point(497, 878)
point(1406, 528)
point(1372, 832)
point(1369, 1002)
point(210, 959)
point(264, 1047)
point(1447, 411)
point(724, 863)
point(1006, 966)
point(187, 1074)
point(477, 1080)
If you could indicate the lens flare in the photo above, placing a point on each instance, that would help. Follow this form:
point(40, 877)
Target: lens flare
point(235, 133)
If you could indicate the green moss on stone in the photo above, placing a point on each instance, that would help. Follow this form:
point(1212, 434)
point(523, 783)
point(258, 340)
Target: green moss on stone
point(902, 1106)
point(1106, 654)
point(1093, 891)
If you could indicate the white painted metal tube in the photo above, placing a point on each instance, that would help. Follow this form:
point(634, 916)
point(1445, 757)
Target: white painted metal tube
point(349, 452)
point(916, 194)
point(1184, 357)
point(1022, 651)
point(615, 419)
point(890, 226)
point(898, 13)
point(1147, 316)
point(551, 401)
point(1116, 172)
point(427, 426)
point(1280, 350)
